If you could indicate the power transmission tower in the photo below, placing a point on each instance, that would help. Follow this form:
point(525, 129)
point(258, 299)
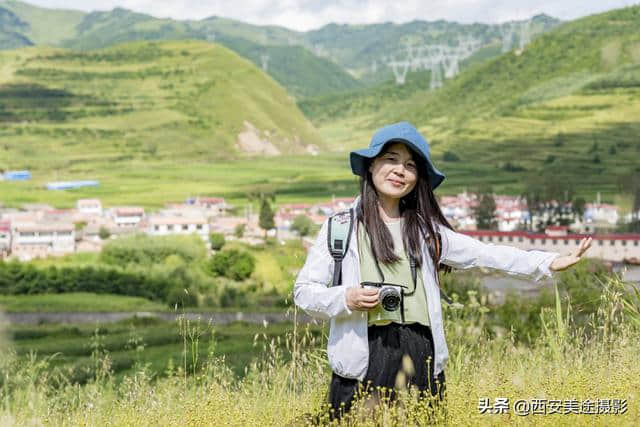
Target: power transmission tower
point(400, 69)
point(507, 30)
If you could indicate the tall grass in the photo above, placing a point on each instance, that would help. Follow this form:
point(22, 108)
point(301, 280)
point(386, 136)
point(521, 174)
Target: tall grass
point(287, 385)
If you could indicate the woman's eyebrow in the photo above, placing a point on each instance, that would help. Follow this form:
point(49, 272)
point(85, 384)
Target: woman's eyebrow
point(397, 154)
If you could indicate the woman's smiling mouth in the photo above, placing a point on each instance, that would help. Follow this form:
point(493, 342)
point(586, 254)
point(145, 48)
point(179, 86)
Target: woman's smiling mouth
point(395, 182)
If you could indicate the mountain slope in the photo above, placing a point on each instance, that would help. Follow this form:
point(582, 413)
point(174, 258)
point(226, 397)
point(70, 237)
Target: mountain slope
point(184, 101)
point(289, 65)
point(332, 59)
point(568, 106)
point(43, 26)
point(572, 58)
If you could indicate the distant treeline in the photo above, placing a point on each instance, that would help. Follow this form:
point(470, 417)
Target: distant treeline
point(18, 278)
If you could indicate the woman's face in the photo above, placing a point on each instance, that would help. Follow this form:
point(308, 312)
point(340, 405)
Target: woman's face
point(394, 172)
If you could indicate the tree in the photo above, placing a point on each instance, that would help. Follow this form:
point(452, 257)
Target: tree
point(302, 225)
point(549, 193)
point(217, 241)
point(266, 220)
point(264, 194)
point(104, 233)
point(485, 210)
point(238, 231)
point(234, 264)
point(578, 207)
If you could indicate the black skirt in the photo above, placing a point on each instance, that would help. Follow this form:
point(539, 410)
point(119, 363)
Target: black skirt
point(388, 345)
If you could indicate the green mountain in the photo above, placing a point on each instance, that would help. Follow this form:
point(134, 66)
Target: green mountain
point(301, 72)
point(12, 29)
point(39, 25)
point(357, 47)
point(332, 59)
point(181, 100)
point(567, 106)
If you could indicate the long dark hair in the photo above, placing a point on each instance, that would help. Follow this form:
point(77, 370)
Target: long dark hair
point(419, 209)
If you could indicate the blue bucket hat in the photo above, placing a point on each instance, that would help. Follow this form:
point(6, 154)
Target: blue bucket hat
point(397, 132)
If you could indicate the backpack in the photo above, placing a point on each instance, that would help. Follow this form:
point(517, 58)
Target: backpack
point(339, 232)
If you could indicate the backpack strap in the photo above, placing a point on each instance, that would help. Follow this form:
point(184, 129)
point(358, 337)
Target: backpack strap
point(338, 236)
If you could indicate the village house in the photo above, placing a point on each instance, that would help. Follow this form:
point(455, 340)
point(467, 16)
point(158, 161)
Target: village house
point(39, 240)
point(215, 206)
point(458, 210)
point(127, 216)
point(5, 239)
point(511, 212)
point(163, 224)
point(615, 247)
point(59, 215)
point(89, 206)
point(600, 215)
point(295, 209)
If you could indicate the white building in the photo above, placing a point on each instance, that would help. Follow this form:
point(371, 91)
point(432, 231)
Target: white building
point(162, 225)
point(214, 205)
point(127, 216)
point(5, 238)
point(89, 206)
point(39, 240)
point(616, 247)
point(601, 213)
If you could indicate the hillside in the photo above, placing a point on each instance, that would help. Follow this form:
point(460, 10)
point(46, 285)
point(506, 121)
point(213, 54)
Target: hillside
point(356, 47)
point(567, 107)
point(294, 67)
point(332, 59)
point(186, 101)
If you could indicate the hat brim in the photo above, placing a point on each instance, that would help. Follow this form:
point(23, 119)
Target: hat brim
point(359, 160)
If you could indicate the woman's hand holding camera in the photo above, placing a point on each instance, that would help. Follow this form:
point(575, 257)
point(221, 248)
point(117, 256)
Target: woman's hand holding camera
point(362, 299)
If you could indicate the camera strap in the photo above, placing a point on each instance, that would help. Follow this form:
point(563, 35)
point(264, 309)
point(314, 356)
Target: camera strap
point(338, 238)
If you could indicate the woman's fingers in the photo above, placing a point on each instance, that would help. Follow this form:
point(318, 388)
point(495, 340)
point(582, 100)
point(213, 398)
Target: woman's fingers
point(365, 304)
point(584, 245)
point(362, 298)
point(369, 298)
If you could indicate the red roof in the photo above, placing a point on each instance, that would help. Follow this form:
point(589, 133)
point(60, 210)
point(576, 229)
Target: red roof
point(557, 227)
point(210, 200)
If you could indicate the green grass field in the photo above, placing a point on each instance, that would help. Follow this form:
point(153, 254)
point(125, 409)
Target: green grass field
point(288, 379)
point(78, 302)
point(142, 341)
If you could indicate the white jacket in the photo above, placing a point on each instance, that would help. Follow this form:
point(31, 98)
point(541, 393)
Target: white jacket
point(348, 347)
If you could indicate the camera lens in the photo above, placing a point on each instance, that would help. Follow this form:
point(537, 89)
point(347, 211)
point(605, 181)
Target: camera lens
point(390, 298)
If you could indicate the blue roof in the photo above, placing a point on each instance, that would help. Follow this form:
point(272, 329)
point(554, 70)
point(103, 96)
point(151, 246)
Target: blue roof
point(68, 185)
point(17, 175)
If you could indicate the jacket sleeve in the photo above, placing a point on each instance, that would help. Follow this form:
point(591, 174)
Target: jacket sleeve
point(311, 292)
point(462, 251)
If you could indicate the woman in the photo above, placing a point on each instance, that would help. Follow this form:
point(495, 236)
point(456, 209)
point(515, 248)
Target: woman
point(397, 217)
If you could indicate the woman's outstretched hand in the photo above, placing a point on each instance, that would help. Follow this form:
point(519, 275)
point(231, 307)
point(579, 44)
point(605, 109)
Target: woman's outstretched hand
point(362, 299)
point(565, 261)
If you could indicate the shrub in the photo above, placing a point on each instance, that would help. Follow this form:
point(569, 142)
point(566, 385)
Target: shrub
point(232, 297)
point(217, 241)
point(104, 233)
point(148, 250)
point(234, 264)
point(181, 297)
point(238, 231)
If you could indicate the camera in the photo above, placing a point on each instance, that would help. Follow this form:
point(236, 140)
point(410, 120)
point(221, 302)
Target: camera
point(389, 296)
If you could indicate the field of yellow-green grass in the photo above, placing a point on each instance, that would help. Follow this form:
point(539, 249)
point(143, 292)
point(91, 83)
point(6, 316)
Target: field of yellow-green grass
point(288, 385)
